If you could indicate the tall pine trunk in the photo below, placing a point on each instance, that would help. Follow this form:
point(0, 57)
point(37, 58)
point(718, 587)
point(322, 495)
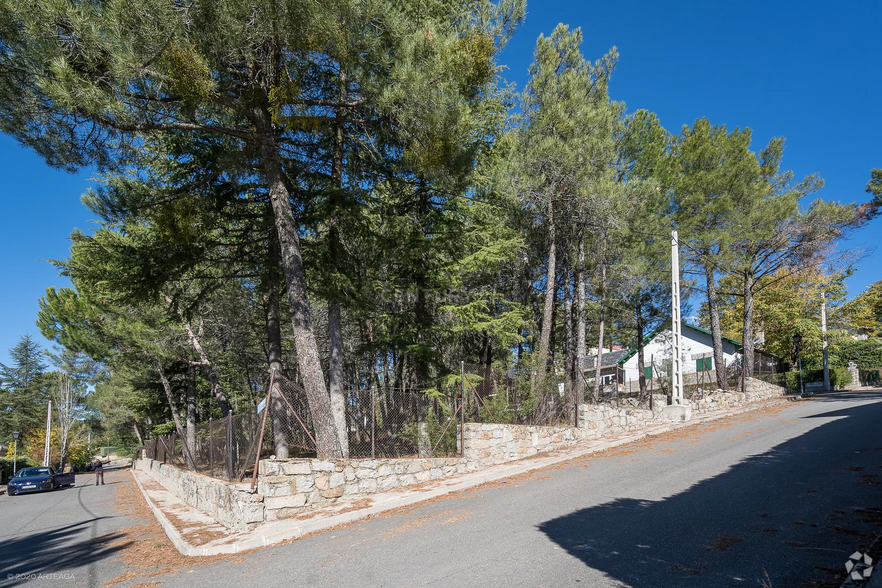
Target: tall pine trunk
point(747, 334)
point(641, 361)
point(207, 367)
point(581, 350)
point(191, 418)
point(335, 322)
point(541, 365)
point(713, 308)
point(176, 415)
point(601, 322)
point(277, 405)
point(295, 280)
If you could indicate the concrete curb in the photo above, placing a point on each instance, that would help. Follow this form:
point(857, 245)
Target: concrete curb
point(288, 529)
point(173, 534)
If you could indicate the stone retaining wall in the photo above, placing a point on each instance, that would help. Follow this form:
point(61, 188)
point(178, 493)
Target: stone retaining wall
point(286, 488)
point(232, 505)
point(289, 486)
point(491, 444)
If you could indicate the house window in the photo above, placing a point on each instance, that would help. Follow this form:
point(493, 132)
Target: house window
point(704, 364)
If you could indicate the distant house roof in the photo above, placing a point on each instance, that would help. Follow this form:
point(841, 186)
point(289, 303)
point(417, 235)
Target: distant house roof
point(609, 359)
point(619, 357)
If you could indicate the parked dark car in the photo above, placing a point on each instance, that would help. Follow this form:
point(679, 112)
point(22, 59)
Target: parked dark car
point(38, 479)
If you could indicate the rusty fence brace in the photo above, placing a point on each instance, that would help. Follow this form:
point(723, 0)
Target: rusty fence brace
point(305, 429)
point(266, 410)
point(453, 416)
point(490, 412)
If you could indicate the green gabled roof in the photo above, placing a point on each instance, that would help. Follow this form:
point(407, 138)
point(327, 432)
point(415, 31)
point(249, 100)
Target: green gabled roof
point(666, 325)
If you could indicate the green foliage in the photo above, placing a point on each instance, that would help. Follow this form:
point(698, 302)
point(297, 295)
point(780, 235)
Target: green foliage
point(863, 314)
point(428, 434)
point(867, 354)
point(874, 187)
point(23, 388)
point(6, 464)
point(839, 376)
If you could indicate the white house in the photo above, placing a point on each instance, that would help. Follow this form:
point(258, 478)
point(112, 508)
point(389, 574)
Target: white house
point(697, 356)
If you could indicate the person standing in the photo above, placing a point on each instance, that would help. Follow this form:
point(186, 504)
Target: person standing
point(99, 472)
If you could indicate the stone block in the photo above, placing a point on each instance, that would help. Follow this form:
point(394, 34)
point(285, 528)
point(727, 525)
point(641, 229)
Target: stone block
point(349, 473)
point(369, 463)
point(407, 479)
point(321, 482)
point(333, 492)
point(350, 489)
point(294, 501)
point(304, 483)
point(319, 465)
point(367, 486)
point(280, 489)
point(269, 467)
point(423, 476)
point(365, 473)
point(387, 483)
point(295, 468)
point(414, 467)
point(384, 470)
point(336, 479)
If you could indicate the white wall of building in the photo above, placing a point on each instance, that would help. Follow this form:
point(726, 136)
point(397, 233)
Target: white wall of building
point(695, 344)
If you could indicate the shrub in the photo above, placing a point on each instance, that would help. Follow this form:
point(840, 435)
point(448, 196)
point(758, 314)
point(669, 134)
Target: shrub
point(867, 354)
point(839, 376)
point(6, 466)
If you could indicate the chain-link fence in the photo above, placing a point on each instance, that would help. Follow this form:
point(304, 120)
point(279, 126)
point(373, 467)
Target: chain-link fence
point(388, 422)
point(222, 448)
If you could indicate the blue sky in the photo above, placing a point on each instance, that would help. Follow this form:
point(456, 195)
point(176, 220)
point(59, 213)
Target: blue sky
point(808, 71)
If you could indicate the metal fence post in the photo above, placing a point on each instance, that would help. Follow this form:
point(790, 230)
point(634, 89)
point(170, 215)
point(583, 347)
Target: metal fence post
point(210, 449)
point(266, 409)
point(462, 405)
point(373, 423)
point(229, 456)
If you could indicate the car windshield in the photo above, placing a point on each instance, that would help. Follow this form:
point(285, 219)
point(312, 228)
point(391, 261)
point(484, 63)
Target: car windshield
point(24, 473)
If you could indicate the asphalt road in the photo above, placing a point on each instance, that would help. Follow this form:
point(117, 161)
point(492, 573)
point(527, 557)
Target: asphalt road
point(70, 536)
point(778, 497)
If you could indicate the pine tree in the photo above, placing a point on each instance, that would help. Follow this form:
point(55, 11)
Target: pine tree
point(23, 388)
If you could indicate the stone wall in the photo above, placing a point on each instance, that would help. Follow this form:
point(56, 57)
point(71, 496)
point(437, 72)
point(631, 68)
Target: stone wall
point(286, 488)
point(232, 505)
point(289, 486)
point(490, 444)
point(601, 420)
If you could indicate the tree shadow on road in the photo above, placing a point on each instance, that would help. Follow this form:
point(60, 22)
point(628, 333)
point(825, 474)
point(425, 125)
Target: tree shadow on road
point(54, 552)
point(788, 517)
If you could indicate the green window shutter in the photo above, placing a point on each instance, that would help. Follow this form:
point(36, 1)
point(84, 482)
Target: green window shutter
point(704, 364)
point(699, 364)
point(647, 372)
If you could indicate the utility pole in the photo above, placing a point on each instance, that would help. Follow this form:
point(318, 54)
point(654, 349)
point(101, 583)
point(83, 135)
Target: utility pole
point(824, 340)
point(677, 365)
point(48, 430)
point(16, 435)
